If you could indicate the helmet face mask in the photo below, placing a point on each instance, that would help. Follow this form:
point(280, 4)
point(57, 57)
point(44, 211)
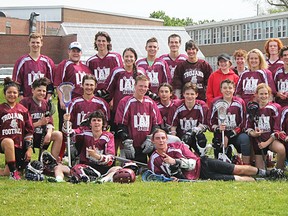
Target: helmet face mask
point(124, 175)
point(131, 165)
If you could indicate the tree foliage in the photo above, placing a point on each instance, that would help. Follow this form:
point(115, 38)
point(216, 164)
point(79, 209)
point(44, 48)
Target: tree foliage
point(173, 21)
point(278, 6)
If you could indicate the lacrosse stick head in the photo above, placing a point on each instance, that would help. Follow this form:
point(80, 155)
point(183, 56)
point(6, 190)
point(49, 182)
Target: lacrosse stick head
point(221, 106)
point(66, 88)
point(253, 110)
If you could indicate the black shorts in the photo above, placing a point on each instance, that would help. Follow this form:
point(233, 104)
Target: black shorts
point(215, 169)
point(20, 159)
point(37, 138)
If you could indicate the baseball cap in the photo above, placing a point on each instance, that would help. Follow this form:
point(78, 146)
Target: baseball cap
point(224, 56)
point(75, 44)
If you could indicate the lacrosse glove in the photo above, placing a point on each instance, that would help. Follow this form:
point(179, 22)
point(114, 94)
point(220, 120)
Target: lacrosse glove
point(128, 148)
point(147, 146)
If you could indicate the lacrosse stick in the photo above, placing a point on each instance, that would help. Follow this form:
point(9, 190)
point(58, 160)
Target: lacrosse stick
point(128, 160)
point(66, 89)
point(221, 107)
point(253, 115)
point(149, 176)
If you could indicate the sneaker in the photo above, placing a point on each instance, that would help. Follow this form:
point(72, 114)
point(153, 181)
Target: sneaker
point(48, 161)
point(15, 175)
point(275, 173)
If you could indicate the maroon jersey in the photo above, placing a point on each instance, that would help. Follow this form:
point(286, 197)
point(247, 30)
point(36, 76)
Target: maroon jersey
point(67, 71)
point(139, 117)
point(104, 144)
point(15, 123)
point(185, 119)
point(284, 120)
point(158, 73)
point(249, 80)
point(80, 109)
point(269, 117)
point(281, 84)
point(26, 70)
point(120, 83)
point(37, 111)
point(235, 115)
point(177, 151)
point(173, 63)
point(273, 67)
point(197, 72)
point(102, 67)
point(165, 110)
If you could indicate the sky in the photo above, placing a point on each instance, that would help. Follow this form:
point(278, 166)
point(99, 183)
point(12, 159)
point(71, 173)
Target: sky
point(197, 10)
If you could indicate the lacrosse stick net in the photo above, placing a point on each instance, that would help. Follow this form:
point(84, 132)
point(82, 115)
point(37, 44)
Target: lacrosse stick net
point(221, 106)
point(66, 89)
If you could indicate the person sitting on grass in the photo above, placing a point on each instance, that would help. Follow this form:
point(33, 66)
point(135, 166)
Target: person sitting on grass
point(40, 111)
point(176, 160)
point(16, 130)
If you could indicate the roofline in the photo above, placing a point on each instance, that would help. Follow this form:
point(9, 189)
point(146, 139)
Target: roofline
point(239, 21)
point(81, 9)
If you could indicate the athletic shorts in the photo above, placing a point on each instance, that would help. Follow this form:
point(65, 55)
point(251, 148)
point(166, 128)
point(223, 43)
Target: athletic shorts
point(215, 169)
point(37, 140)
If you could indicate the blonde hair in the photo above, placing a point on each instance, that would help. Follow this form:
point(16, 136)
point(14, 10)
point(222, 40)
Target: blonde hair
point(263, 64)
point(261, 86)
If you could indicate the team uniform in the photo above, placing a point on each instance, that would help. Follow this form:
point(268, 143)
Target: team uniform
point(102, 67)
point(120, 83)
point(68, 71)
point(165, 111)
point(274, 66)
point(158, 73)
point(140, 118)
point(16, 123)
point(27, 70)
point(269, 117)
point(235, 123)
point(37, 111)
point(284, 127)
point(80, 109)
point(281, 84)
point(248, 81)
point(184, 120)
point(173, 63)
point(205, 168)
point(197, 73)
point(104, 145)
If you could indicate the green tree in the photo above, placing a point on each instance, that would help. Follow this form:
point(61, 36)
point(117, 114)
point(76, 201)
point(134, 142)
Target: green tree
point(173, 21)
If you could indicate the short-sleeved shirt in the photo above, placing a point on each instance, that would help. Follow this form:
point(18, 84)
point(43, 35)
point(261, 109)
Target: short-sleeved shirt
point(158, 72)
point(15, 123)
point(102, 67)
point(68, 71)
point(26, 70)
point(139, 117)
point(281, 84)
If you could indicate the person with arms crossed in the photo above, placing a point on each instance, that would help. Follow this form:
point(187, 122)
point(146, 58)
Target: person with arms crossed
point(193, 70)
point(33, 66)
point(16, 129)
point(174, 57)
point(176, 160)
point(38, 108)
point(137, 117)
point(156, 69)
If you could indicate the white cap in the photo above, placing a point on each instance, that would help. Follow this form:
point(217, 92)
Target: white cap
point(75, 44)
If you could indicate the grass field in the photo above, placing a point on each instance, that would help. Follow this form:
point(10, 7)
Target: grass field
point(142, 198)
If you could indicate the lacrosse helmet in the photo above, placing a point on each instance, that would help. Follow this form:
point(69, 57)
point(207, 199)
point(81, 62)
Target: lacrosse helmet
point(124, 175)
point(131, 165)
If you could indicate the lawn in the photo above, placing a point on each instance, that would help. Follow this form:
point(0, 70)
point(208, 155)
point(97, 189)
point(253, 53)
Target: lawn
point(142, 198)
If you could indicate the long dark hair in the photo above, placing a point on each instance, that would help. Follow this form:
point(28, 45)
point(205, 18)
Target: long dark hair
point(135, 71)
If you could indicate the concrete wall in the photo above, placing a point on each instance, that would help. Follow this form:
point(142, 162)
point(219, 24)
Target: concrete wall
point(14, 46)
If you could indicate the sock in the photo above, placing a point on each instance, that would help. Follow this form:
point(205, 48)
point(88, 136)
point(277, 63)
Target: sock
point(12, 166)
point(261, 172)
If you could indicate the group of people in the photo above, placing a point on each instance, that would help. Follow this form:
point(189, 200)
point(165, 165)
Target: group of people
point(153, 110)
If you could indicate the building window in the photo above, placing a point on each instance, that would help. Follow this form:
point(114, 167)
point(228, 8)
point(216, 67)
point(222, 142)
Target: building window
point(225, 34)
point(216, 35)
point(269, 29)
point(8, 28)
point(281, 28)
point(235, 33)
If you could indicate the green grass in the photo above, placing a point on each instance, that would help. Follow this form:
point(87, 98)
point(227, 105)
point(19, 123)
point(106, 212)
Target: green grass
point(142, 198)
